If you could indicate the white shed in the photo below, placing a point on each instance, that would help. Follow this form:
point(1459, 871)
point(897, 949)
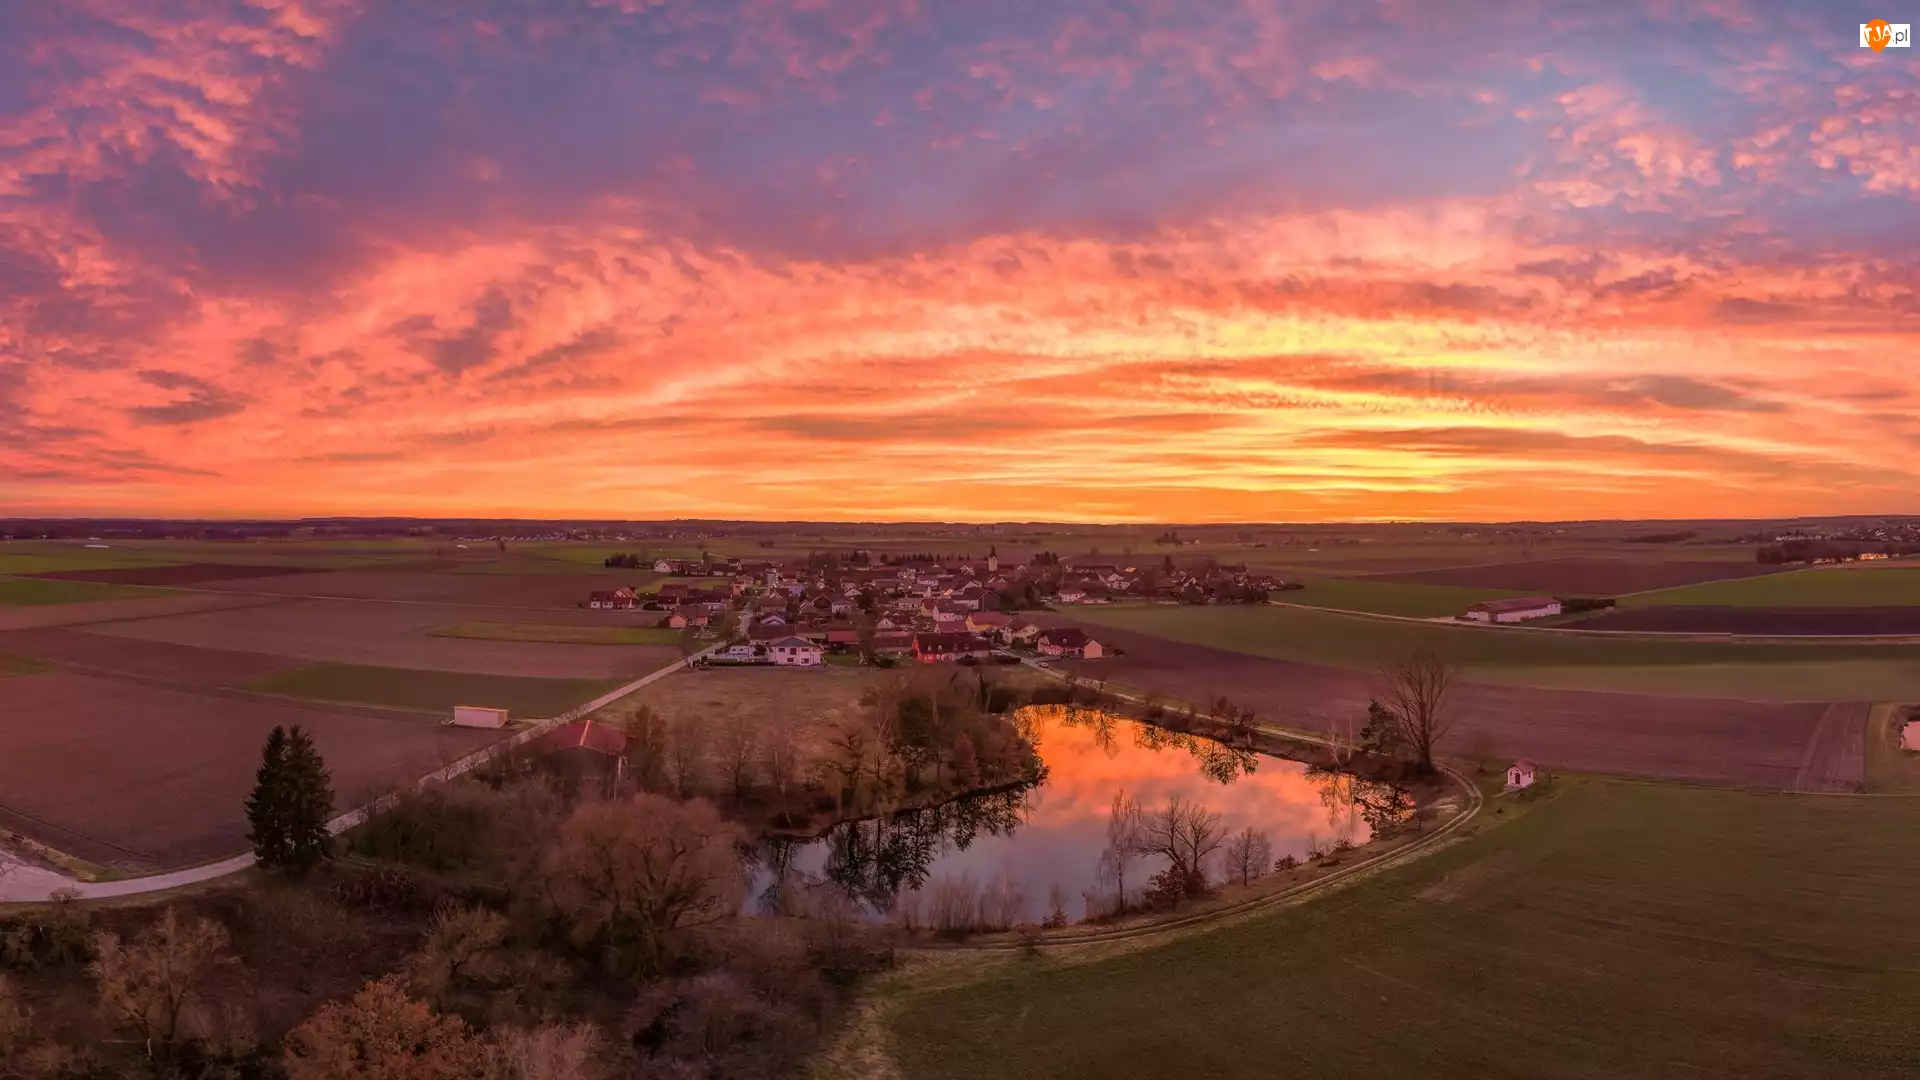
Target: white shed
point(478, 716)
point(1519, 775)
point(1910, 736)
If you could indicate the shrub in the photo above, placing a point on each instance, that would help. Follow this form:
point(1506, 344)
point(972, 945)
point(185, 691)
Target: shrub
point(381, 1034)
point(58, 933)
point(714, 1024)
point(627, 875)
point(152, 986)
point(386, 889)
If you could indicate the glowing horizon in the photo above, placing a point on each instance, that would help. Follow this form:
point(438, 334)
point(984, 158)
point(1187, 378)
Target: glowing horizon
point(882, 260)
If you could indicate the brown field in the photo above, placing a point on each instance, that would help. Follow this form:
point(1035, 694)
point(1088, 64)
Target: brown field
point(807, 702)
point(181, 574)
point(542, 591)
point(94, 611)
point(139, 778)
point(146, 659)
point(1810, 622)
point(1761, 744)
point(1581, 577)
point(388, 635)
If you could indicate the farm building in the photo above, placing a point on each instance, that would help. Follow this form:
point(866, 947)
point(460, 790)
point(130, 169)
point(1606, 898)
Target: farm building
point(478, 716)
point(933, 648)
point(591, 756)
point(1515, 610)
point(794, 652)
point(1519, 775)
point(1910, 735)
point(1069, 642)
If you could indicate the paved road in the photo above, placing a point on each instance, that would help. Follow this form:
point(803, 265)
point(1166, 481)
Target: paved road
point(21, 883)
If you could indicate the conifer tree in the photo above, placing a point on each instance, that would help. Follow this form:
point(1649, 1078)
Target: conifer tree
point(309, 804)
point(267, 806)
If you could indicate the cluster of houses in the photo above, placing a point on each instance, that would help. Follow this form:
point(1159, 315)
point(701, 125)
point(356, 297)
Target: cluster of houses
point(957, 610)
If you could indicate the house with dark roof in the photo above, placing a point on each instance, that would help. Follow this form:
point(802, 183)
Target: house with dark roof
point(936, 647)
point(1069, 641)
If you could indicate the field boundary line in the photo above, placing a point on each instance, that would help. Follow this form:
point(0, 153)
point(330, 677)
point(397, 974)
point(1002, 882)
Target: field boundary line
point(21, 883)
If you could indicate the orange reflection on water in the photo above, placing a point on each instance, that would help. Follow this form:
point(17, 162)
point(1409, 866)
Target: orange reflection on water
point(1092, 755)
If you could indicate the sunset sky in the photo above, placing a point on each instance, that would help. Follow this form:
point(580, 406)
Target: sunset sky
point(1149, 260)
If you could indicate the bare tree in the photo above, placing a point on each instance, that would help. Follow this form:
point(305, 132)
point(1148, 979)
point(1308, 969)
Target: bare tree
point(381, 1034)
point(627, 876)
point(1249, 853)
point(462, 944)
point(1185, 833)
point(782, 760)
point(850, 745)
point(1417, 683)
point(739, 753)
point(550, 1052)
point(152, 986)
point(687, 753)
point(1126, 845)
point(16, 1025)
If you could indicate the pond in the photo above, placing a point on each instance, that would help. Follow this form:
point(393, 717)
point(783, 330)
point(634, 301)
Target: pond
point(1021, 855)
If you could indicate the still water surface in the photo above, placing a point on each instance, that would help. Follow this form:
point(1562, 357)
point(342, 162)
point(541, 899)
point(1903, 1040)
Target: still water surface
point(1050, 836)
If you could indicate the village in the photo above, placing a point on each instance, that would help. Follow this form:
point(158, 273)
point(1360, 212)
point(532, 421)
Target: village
point(927, 609)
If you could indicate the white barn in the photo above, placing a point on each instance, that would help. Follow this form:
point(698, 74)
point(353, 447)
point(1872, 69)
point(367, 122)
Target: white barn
point(1515, 610)
point(1519, 775)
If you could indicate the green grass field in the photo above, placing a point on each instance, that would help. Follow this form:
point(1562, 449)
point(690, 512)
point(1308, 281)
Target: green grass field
point(1390, 598)
point(569, 635)
point(1791, 671)
point(1821, 587)
point(33, 592)
point(437, 691)
point(1613, 930)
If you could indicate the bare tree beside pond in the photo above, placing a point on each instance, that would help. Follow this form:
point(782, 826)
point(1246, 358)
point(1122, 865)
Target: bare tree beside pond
point(1185, 833)
point(1126, 846)
point(1249, 853)
point(1415, 696)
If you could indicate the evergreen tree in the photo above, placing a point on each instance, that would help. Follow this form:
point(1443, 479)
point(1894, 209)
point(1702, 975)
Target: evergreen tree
point(309, 804)
point(267, 806)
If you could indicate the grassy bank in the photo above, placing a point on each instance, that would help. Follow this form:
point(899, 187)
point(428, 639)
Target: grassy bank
point(1614, 930)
